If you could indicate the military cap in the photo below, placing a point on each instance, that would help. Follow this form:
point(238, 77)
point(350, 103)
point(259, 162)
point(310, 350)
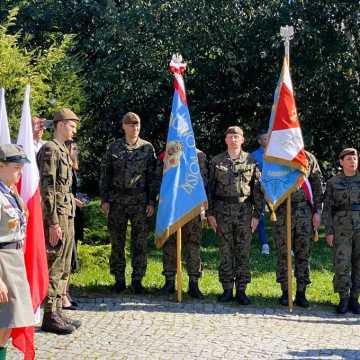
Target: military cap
point(131, 118)
point(234, 130)
point(13, 153)
point(65, 114)
point(348, 151)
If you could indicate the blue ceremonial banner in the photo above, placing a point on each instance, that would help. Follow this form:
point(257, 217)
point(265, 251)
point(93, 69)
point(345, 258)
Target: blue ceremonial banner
point(182, 193)
point(277, 182)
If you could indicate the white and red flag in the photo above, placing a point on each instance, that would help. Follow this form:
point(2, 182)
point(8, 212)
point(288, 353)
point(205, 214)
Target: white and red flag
point(285, 161)
point(4, 124)
point(34, 247)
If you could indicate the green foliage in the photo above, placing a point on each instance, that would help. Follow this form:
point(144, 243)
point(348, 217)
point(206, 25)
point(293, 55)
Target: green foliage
point(54, 76)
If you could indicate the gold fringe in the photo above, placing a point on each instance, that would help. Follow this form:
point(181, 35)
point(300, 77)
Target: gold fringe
point(273, 217)
point(316, 236)
point(160, 240)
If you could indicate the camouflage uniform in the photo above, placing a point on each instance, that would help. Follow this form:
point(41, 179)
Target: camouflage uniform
point(341, 217)
point(55, 168)
point(301, 229)
point(127, 183)
point(234, 198)
point(191, 235)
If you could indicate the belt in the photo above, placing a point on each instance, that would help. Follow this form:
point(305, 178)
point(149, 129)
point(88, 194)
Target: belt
point(352, 207)
point(132, 191)
point(231, 199)
point(11, 245)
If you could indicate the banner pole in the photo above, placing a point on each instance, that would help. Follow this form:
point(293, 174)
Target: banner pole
point(288, 243)
point(179, 277)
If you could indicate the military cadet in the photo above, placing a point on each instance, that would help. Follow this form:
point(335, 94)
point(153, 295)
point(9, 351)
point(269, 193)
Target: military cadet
point(305, 219)
point(342, 229)
point(128, 192)
point(191, 234)
point(55, 168)
point(235, 202)
point(15, 299)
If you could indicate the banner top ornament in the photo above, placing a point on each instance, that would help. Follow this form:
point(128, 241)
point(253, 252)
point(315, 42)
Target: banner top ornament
point(177, 66)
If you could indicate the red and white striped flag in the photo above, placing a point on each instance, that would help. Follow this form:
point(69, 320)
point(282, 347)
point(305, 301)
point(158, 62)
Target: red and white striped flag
point(4, 124)
point(34, 248)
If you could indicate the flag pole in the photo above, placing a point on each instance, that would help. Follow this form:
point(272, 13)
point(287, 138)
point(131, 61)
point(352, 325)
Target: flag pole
point(179, 277)
point(287, 33)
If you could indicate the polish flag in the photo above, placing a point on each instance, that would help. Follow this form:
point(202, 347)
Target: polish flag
point(34, 247)
point(286, 144)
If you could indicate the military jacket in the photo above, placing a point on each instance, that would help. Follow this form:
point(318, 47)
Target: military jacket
point(12, 216)
point(233, 179)
point(203, 164)
point(55, 168)
point(315, 178)
point(342, 203)
point(128, 170)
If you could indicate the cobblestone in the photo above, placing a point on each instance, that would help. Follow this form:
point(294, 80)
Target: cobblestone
point(143, 328)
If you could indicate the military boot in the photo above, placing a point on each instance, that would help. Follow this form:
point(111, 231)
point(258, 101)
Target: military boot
point(300, 299)
point(73, 322)
point(169, 287)
point(343, 306)
point(120, 285)
point(54, 324)
point(284, 298)
point(2, 353)
point(194, 290)
point(226, 296)
point(241, 297)
point(354, 305)
point(137, 287)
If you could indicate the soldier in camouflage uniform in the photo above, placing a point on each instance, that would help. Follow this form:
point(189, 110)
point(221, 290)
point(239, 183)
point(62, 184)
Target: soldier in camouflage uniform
point(191, 234)
point(342, 228)
point(128, 192)
point(55, 168)
point(235, 202)
point(305, 218)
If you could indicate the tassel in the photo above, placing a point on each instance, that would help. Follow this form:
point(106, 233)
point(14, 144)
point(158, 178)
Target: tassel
point(316, 236)
point(273, 216)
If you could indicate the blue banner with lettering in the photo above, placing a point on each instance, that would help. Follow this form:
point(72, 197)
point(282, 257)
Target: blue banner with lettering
point(182, 193)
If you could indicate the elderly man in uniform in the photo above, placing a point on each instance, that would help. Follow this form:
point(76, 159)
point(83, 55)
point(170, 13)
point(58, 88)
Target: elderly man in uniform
point(128, 192)
point(342, 228)
point(305, 219)
point(235, 203)
point(192, 233)
point(55, 168)
point(15, 299)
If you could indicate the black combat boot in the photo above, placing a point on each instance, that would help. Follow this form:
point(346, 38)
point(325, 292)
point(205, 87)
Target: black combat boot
point(284, 298)
point(54, 324)
point(137, 287)
point(120, 285)
point(343, 306)
point(169, 287)
point(226, 296)
point(354, 305)
point(73, 322)
point(194, 290)
point(241, 297)
point(300, 299)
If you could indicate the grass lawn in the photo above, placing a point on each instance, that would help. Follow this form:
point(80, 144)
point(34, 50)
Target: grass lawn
point(94, 277)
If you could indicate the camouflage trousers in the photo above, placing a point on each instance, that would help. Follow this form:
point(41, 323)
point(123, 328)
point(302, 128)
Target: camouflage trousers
point(191, 237)
point(235, 238)
point(346, 260)
point(301, 234)
point(59, 263)
point(119, 215)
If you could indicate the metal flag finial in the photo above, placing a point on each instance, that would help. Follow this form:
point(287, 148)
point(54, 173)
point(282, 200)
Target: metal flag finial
point(177, 58)
point(287, 33)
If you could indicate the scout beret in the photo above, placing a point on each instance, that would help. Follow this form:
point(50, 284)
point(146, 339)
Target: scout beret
point(131, 118)
point(234, 130)
point(13, 153)
point(65, 114)
point(348, 151)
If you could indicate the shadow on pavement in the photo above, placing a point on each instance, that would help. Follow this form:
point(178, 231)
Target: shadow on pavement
point(312, 354)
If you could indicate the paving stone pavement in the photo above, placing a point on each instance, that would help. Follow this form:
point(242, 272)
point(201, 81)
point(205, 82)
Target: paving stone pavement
point(133, 327)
